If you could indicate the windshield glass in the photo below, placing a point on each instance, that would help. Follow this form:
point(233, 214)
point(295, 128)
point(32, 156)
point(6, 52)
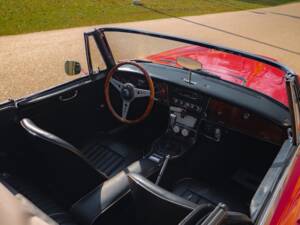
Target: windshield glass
point(234, 68)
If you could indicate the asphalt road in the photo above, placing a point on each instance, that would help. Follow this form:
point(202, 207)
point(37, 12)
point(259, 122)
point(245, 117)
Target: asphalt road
point(33, 62)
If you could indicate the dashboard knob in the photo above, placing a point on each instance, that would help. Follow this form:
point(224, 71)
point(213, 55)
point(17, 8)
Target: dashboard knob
point(185, 132)
point(176, 129)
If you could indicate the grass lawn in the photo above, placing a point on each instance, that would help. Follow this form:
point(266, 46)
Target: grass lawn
point(23, 16)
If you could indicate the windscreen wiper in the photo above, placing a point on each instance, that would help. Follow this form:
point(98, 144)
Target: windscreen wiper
point(141, 60)
point(172, 63)
point(205, 73)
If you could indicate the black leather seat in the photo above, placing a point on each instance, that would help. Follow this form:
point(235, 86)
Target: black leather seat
point(112, 197)
point(76, 171)
point(38, 198)
point(155, 205)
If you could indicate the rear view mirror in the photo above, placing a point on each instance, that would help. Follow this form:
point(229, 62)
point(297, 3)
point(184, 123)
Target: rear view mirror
point(189, 63)
point(72, 68)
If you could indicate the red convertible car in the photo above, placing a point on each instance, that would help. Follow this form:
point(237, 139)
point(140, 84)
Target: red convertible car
point(161, 131)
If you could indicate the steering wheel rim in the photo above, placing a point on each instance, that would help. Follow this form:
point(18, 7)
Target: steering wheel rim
point(126, 89)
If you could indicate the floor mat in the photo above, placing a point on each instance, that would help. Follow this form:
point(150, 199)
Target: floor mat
point(246, 179)
point(202, 192)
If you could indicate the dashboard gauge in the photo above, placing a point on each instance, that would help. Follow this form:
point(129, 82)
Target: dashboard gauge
point(185, 132)
point(176, 129)
point(246, 116)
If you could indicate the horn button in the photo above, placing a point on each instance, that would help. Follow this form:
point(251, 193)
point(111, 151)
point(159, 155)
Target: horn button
point(127, 92)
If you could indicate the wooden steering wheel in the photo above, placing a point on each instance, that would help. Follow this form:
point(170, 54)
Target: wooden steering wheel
point(128, 93)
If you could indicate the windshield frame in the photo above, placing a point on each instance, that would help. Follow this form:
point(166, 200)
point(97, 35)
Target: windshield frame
point(107, 53)
point(276, 64)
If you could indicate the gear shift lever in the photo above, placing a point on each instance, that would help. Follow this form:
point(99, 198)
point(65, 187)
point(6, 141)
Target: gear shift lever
point(172, 119)
point(163, 168)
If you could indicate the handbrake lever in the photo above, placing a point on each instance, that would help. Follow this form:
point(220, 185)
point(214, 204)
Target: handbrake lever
point(163, 168)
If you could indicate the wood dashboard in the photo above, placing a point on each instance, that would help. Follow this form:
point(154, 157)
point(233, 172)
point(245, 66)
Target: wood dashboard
point(241, 120)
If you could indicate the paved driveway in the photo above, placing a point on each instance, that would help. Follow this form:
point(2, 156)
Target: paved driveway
point(33, 62)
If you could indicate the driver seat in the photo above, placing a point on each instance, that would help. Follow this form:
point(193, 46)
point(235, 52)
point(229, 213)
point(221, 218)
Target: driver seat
point(76, 171)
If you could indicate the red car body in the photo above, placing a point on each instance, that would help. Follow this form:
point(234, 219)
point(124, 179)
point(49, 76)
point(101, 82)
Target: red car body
point(240, 70)
point(287, 207)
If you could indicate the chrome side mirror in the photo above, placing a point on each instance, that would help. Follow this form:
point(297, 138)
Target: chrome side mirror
point(72, 68)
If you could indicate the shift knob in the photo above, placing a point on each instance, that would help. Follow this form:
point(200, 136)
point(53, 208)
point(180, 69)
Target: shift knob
point(172, 119)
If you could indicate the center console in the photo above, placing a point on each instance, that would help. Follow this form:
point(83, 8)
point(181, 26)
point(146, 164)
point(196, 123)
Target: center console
point(186, 109)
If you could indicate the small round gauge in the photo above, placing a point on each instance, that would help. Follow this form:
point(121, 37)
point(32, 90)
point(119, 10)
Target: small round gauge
point(176, 129)
point(185, 132)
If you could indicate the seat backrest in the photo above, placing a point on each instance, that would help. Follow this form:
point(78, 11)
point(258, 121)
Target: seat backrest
point(65, 166)
point(155, 205)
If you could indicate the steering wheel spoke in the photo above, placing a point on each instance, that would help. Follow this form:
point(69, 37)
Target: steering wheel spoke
point(117, 84)
point(128, 93)
point(140, 93)
point(125, 109)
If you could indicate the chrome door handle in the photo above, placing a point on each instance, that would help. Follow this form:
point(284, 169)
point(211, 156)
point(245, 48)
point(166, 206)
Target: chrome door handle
point(68, 98)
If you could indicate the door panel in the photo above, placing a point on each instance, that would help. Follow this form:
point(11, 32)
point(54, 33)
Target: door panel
point(12, 138)
point(73, 114)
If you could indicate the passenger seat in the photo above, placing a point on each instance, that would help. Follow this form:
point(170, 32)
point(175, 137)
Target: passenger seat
point(37, 204)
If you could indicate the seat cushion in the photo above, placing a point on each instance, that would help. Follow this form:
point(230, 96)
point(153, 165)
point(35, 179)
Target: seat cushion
point(37, 197)
point(203, 192)
point(110, 154)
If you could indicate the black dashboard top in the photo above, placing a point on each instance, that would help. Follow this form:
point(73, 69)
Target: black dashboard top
point(214, 87)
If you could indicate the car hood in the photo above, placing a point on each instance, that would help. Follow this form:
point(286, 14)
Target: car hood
point(237, 69)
